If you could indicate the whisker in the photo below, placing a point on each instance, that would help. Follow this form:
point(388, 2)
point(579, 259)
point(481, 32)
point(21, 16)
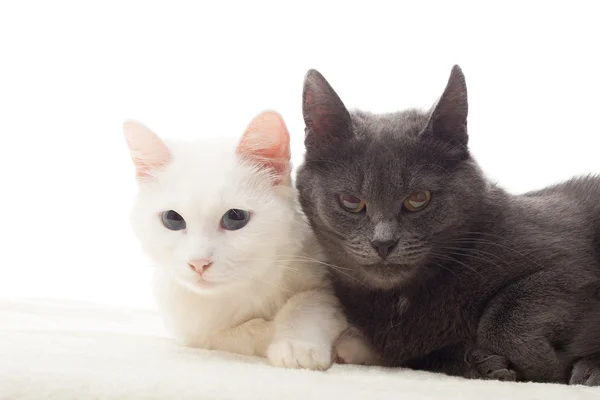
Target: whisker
point(485, 241)
point(261, 280)
point(353, 278)
point(442, 267)
point(468, 254)
point(452, 259)
point(304, 261)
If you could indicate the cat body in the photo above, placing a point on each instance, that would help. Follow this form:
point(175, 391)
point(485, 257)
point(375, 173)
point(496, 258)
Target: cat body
point(236, 264)
point(446, 270)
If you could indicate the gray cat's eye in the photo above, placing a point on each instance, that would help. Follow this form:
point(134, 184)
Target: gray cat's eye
point(417, 201)
point(172, 220)
point(235, 219)
point(351, 203)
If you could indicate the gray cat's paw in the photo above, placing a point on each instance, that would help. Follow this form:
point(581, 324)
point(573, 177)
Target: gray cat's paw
point(586, 372)
point(483, 364)
point(503, 374)
point(352, 348)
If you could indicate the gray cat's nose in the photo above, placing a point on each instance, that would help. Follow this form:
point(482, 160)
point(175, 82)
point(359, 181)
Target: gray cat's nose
point(383, 247)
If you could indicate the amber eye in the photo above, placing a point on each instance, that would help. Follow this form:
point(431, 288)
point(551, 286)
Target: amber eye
point(417, 201)
point(352, 203)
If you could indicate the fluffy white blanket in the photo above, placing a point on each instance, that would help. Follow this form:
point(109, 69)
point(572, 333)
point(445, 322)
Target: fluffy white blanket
point(63, 350)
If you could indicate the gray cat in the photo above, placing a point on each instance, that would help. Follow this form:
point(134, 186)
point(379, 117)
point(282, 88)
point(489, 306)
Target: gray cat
point(439, 268)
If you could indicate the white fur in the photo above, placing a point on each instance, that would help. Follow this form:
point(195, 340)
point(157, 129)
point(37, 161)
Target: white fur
point(267, 293)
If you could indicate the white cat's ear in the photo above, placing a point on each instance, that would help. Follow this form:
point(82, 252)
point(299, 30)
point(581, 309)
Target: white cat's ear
point(266, 142)
point(148, 152)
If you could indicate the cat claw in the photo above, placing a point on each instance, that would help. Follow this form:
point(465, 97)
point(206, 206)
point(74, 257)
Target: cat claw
point(504, 374)
point(486, 365)
point(289, 353)
point(586, 372)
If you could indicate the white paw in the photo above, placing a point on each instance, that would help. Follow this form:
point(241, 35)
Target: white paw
point(352, 349)
point(290, 353)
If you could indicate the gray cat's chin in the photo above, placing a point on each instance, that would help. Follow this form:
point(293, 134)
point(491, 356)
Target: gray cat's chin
point(387, 276)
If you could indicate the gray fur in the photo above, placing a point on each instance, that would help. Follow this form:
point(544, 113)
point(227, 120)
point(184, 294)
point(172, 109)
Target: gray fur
point(481, 283)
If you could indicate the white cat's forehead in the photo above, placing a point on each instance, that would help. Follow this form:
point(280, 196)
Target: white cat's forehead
point(203, 156)
point(206, 178)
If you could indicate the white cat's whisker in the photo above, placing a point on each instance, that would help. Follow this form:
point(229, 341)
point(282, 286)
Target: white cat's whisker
point(306, 260)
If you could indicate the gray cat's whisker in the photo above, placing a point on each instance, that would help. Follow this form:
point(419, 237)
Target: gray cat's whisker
point(306, 260)
point(468, 255)
point(485, 241)
point(452, 259)
point(460, 252)
point(445, 268)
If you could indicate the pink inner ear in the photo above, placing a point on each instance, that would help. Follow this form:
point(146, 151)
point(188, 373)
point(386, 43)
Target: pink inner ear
point(267, 143)
point(148, 151)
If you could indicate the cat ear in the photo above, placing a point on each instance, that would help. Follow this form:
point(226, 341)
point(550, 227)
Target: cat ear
point(148, 151)
point(449, 117)
point(327, 119)
point(266, 142)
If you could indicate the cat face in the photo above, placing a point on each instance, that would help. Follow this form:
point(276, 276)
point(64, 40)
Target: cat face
point(212, 214)
point(385, 193)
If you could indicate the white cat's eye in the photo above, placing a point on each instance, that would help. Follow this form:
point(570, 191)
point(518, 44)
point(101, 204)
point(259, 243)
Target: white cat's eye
point(172, 220)
point(417, 201)
point(235, 219)
point(352, 203)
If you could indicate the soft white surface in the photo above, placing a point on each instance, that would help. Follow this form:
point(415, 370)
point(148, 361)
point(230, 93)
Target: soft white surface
point(65, 350)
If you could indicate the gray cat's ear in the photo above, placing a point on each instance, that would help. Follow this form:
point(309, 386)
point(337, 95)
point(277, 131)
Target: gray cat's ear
point(448, 119)
point(327, 119)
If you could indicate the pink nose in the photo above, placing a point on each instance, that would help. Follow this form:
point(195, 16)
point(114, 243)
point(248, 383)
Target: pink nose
point(200, 265)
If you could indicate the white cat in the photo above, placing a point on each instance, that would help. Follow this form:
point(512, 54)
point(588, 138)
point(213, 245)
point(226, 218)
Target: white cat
point(236, 266)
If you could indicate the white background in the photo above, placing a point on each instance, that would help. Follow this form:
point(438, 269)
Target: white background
point(70, 72)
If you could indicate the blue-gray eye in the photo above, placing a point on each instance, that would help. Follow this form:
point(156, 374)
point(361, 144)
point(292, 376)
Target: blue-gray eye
point(235, 219)
point(172, 220)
